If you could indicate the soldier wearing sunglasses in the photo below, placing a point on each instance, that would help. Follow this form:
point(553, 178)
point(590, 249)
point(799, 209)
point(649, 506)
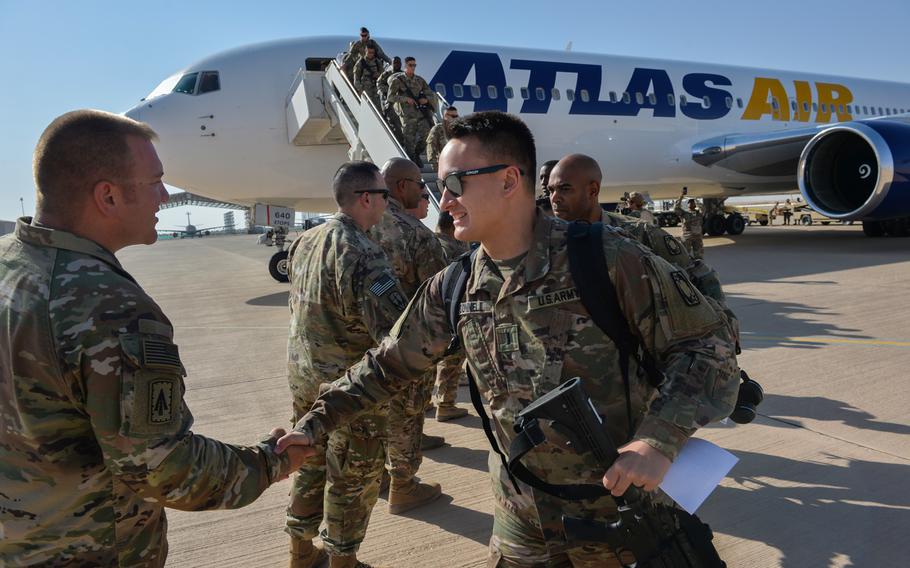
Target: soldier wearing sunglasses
point(524, 332)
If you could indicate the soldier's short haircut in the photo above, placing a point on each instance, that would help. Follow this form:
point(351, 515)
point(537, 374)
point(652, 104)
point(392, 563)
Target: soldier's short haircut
point(364, 31)
point(396, 58)
point(76, 151)
point(451, 108)
point(408, 59)
point(504, 137)
point(549, 164)
point(351, 177)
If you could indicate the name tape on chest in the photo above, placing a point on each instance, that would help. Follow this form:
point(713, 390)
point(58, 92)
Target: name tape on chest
point(478, 306)
point(552, 298)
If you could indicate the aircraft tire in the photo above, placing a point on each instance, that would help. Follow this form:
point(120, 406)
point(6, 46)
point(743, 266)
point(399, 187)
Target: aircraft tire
point(735, 224)
point(873, 228)
point(805, 220)
point(278, 266)
point(715, 225)
point(763, 223)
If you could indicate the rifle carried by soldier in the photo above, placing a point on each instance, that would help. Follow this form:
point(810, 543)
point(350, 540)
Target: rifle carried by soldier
point(425, 108)
point(658, 536)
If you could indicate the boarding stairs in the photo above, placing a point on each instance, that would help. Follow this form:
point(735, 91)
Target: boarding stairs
point(323, 107)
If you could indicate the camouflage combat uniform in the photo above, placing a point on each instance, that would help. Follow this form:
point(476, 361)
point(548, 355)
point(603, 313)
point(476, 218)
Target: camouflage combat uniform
point(388, 110)
point(343, 301)
point(366, 73)
point(358, 49)
point(415, 255)
point(693, 229)
point(415, 124)
point(645, 215)
point(526, 334)
point(450, 370)
point(95, 436)
point(436, 141)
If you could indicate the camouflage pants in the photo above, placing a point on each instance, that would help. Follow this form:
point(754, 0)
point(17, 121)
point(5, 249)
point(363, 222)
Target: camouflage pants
point(448, 372)
point(415, 129)
point(369, 89)
point(695, 246)
point(340, 485)
point(517, 543)
point(406, 417)
point(394, 122)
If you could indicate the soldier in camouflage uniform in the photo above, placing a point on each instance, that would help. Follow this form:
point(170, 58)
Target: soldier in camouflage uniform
point(344, 298)
point(388, 110)
point(95, 435)
point(415, 255)
point(638, 210)
point(438, 136)
point(366, 72)
point(693, 227)
point(358, 49)
point(524, 332)
point(574, 189)
point(450, 370)
point(415, 103)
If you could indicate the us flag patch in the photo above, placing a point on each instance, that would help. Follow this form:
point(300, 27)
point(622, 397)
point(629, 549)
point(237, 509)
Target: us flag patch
point(160, 355)
point(382, 285)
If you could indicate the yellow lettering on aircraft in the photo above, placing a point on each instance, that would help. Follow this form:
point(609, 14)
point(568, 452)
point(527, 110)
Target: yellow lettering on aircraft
point(769, 97)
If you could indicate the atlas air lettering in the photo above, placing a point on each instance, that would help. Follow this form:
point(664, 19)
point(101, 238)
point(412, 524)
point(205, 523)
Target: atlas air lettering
point(704, 96)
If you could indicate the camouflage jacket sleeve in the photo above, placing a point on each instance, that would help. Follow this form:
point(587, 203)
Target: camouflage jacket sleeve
point(359, 74)
point(672, 250)
point(432, 257)
point(380, 54)
point(435, 142)
point(397, 92)
point(416, 343)
point(687, 337)
point(128, 379)
point(374, 293)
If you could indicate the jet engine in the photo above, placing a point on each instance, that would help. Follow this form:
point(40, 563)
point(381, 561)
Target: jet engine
point(860, 170)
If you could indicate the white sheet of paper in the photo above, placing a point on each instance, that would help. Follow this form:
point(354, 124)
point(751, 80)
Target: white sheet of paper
point(696, 472)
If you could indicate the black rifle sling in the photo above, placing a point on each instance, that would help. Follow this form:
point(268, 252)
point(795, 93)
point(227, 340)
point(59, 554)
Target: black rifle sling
point(424, 111)
point(592, 278)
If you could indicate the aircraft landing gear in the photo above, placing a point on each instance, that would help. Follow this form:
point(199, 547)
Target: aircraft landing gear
point(278, 264)
point(715, 225)
point(735, 224)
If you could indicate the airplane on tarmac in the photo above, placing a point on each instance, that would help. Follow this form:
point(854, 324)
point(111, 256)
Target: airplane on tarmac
point(190, 230)
point(230, 126)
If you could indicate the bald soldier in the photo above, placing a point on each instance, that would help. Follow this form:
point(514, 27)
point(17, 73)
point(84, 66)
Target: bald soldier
point(574, 188)
point(344, 299)
point(96, 437)
point(415, 255)
point(521, 340)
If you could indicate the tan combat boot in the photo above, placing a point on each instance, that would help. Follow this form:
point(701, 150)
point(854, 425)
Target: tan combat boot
point(305, 554)
point(428, 442)
point(407, 495)
point(446, 412)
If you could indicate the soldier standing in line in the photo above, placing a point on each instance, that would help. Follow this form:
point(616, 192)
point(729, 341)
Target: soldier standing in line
point(96, 437)
point(544, 178)
point(450, 370)
point(357, 49)
point(522, 339)
point(366, 71)
point(638, 210)
point(415, 103)
point(382, 85)
point(423, 207)
point(415, 255)
point(693, 227)
point(344, 299)
point(574, 188)
point(438, 135)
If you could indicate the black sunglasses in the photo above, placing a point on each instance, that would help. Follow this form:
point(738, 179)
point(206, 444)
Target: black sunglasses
point(425, 195)
point(452, 181)
point(383, 192)
point(419, 182)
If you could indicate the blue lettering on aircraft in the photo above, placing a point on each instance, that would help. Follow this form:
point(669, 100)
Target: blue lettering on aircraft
point(649, 89)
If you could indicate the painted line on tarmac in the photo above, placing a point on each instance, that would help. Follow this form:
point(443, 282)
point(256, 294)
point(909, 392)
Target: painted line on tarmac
point(829, 340)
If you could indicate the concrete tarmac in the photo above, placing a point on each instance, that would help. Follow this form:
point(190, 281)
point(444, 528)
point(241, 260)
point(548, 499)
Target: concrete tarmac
point(823, 473)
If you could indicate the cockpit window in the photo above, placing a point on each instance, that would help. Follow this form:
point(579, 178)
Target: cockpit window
point(209, 82)
point(186, 84)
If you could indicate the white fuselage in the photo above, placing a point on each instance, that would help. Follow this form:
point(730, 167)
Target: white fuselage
point(232, 143)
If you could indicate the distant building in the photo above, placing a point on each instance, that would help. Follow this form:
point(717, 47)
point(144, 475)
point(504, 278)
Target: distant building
point(7, 227)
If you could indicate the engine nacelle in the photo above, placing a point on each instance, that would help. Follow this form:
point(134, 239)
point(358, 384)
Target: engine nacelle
point(858, 170)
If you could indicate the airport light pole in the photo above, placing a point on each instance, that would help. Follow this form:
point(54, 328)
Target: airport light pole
point(22, 205)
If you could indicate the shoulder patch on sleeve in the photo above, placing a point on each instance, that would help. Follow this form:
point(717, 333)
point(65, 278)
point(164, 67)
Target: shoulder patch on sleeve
point(672, 245)
point(398, 300)
point(685, 289)
point(382, 285)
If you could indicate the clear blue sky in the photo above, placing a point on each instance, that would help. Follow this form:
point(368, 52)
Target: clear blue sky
point(63, 55)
